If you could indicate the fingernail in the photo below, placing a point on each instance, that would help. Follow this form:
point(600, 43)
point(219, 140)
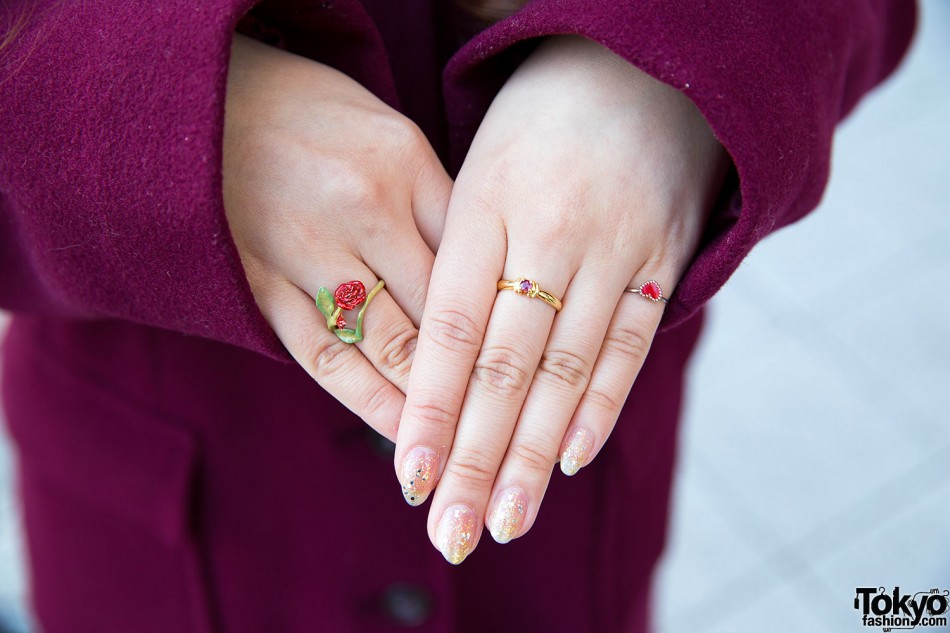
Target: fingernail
point(576, 451)
point(455, 535)
point(508, 515)
point(418, 474)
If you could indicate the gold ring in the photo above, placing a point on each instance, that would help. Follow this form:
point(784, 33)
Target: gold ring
point(530, 289)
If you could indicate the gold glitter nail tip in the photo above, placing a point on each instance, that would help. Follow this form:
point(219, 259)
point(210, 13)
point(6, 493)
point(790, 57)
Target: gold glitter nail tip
point(455, 534)
point(576, 451)
point(509, 514)
point(417, 476)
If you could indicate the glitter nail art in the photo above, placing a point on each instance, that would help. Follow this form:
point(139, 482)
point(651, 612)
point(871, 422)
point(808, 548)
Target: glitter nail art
point(418, 474)
point(576, 451)
point(455, 535)
point(508, 515)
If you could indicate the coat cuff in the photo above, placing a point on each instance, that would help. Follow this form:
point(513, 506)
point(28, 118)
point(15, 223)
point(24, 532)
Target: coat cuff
point(112, 131)
point(110, 166)
point(772, 81)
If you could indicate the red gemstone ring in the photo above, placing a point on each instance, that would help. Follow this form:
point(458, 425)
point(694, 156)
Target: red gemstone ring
point(347, 296)
point(650, 290)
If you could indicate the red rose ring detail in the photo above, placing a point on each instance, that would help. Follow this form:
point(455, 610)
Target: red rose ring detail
point(350, 295)
point(650, 290)
point(347, 296)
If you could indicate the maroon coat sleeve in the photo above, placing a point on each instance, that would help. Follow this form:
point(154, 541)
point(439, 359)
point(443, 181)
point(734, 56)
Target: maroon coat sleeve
point(111, 121)
point(771, 78)
point(111, 118)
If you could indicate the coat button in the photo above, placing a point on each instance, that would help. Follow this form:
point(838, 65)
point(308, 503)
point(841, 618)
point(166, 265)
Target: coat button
point(406, 605)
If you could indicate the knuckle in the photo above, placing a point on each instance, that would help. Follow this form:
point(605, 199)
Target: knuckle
point(628, 342)
point(364, 193)
point(564, 368)
point(561, 221)
point(501, 371)
point(470, 467)
point(375, 403)
point(400, 132)
point(417, 291)
point(604, 401)
point(398, 352)
point(434, 418)
point(533, 456)
point(327, 358)
point(453, 330)
point(410, 137)
point(350, 185)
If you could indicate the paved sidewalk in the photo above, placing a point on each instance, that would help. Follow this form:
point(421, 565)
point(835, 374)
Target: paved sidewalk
point(816, 451)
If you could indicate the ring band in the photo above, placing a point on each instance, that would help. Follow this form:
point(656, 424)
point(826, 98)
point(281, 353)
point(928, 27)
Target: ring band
point(530, 289)
point(649, 290)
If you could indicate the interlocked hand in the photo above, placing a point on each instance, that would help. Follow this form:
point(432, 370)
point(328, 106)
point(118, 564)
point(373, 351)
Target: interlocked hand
point(325, 184)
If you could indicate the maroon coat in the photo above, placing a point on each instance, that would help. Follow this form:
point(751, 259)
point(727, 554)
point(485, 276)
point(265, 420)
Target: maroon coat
point(177, 470)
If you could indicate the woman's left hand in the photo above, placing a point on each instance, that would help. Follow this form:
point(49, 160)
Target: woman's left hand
point(588, 177)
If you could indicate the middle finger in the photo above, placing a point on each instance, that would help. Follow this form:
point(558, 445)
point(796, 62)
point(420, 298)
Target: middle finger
point(514, 340)
point(562, 377)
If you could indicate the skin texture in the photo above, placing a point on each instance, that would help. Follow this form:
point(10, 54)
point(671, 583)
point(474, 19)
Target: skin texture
point(589, 177)
point(323, 184)
point(586, 175)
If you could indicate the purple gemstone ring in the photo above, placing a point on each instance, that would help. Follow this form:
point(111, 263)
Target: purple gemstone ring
point(531, 289)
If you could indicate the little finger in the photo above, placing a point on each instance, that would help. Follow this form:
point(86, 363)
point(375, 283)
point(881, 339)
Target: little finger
point(622, 354)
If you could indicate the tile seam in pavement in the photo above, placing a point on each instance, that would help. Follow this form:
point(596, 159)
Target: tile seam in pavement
point(859, 518)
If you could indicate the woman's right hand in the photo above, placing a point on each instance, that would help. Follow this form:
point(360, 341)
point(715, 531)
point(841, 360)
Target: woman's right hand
point(323, 184)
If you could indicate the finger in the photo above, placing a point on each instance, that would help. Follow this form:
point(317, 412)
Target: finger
point(430, 198)
point(339, 368)
point(389, 341)
point(562, 376)
point(389, 336)
point(404, 260)
point(514, 341)
point(622, 354)
point(461, 293)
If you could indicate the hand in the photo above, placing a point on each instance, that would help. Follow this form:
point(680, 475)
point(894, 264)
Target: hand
point(323, 184)
point(589, 177)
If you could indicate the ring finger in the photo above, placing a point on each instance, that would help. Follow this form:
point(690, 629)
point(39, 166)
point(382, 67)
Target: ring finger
point(625, 348)
point(390, 327)
point(338, 367)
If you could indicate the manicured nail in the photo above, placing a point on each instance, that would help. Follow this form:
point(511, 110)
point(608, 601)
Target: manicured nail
point(508, 515)
point(418, 474)
point(455, 535)
point(576, 451)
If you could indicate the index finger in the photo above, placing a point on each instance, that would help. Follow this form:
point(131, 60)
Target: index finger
point(461, 294)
